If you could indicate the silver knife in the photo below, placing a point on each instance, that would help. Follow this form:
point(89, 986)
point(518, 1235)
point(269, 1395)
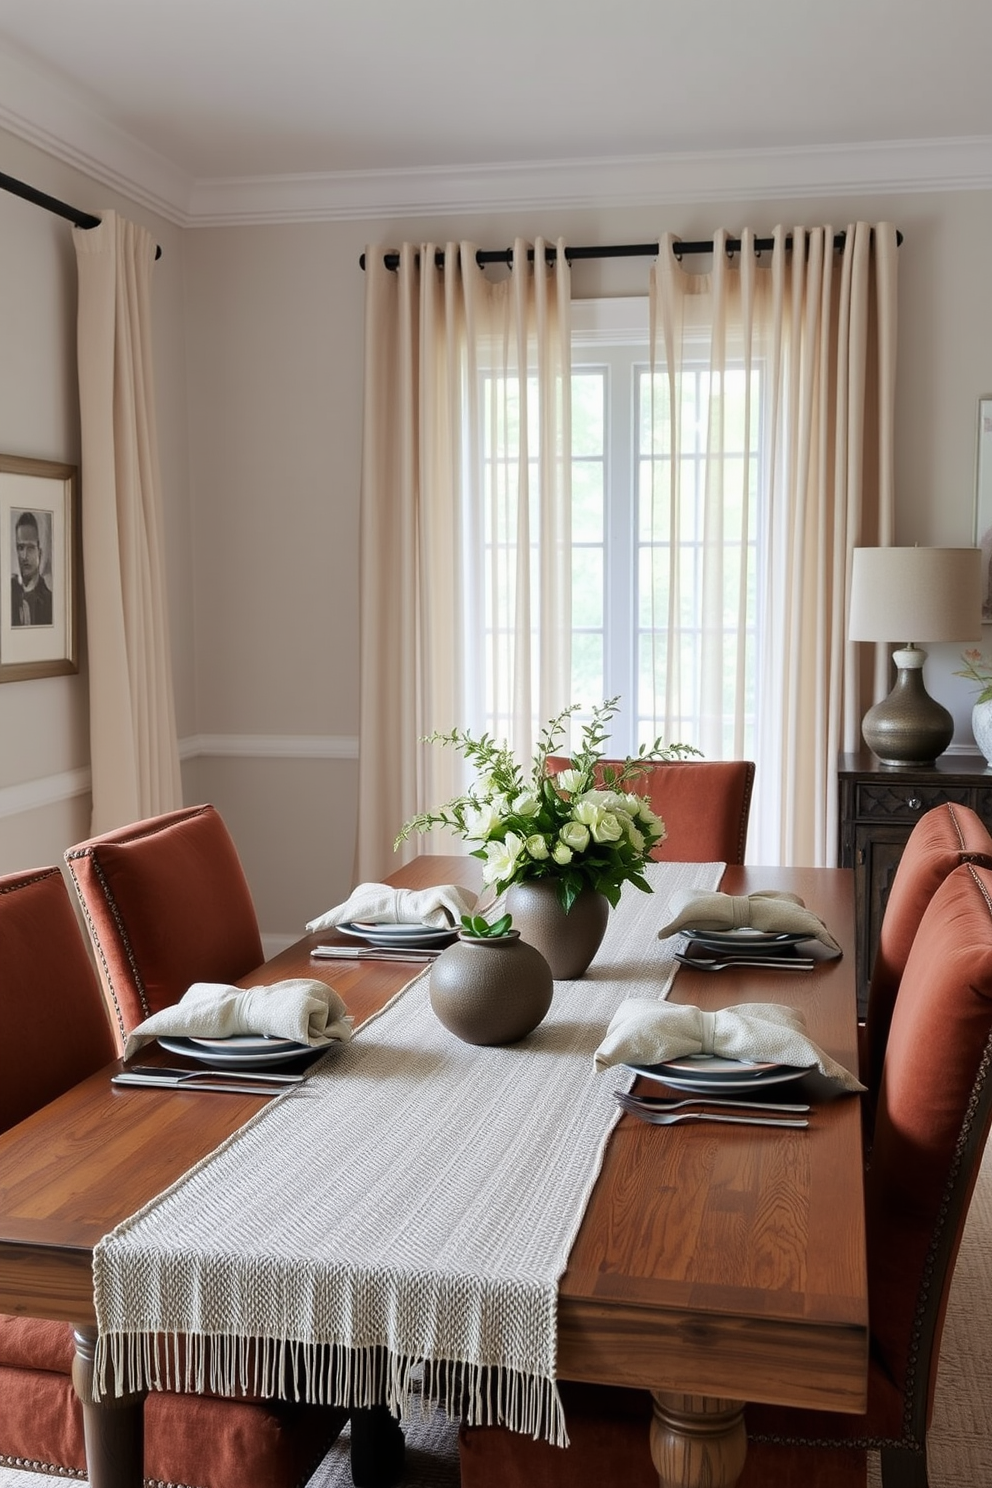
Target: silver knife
point(268, 1077)
point(345, 953)
point(252, 1085)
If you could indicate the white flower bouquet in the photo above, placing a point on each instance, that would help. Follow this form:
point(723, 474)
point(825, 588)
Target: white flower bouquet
point(580, 826)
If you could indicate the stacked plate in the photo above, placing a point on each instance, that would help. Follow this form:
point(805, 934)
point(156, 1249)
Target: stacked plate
point(400, 937)
point(713, 950)
point(708, 1074)
point(245, 1051)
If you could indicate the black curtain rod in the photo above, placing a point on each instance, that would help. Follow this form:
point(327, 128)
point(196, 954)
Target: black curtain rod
point(612, 250)
point(52, 204)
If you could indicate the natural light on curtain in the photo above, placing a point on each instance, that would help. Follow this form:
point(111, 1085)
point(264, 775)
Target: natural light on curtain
point(465, 529)
point(134, 752)
point(766, 456)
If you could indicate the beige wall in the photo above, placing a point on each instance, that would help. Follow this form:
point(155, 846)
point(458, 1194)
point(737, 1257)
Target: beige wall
point(259, 365)
point(275, 369)
point(44, 723)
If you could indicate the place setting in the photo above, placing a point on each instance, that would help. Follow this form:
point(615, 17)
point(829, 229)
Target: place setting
point(766, 930)
point(394, 924)
point(717, 1065)
point(243, 1036)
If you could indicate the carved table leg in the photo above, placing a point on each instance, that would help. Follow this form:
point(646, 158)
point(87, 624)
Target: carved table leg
point(113, 1425)
point(697, 1442)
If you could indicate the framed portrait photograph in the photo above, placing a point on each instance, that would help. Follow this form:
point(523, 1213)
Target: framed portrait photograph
point(39, 559)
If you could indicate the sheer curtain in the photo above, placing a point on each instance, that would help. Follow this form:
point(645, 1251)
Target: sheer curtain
point(465, 524)
point(771, 459)
point(134, 753)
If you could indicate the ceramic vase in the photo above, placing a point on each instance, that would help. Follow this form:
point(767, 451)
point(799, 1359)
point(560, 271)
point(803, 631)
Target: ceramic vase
point(981, 727)
point(568, 942)
point(490, 989)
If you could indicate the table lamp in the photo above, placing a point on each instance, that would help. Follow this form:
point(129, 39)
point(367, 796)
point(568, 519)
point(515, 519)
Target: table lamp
point(929, 594)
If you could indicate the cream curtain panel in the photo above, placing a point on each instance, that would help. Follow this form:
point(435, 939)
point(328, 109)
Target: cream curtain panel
point(772, 458)
point(465, 522)
point(133, 747)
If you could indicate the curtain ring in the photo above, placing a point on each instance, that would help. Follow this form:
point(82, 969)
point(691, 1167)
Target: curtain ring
point(677, 250)
point(509, 258)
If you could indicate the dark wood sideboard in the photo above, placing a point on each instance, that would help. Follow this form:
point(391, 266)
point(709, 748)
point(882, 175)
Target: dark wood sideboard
point(877, 809)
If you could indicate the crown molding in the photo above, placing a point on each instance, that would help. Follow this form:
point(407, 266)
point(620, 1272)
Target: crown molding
point(36, 108)
point(656, 180)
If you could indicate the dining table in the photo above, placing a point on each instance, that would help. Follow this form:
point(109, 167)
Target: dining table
point(713, 1265)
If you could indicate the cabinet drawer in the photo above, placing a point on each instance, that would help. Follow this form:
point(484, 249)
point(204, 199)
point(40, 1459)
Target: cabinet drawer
point(906, 802)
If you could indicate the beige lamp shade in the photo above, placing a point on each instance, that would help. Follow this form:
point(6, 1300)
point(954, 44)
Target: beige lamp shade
point(910, 595)
point(916, 594)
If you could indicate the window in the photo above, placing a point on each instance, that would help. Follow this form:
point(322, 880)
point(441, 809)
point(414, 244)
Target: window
point(625, 535)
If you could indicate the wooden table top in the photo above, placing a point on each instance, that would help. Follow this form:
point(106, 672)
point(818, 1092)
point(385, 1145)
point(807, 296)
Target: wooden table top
point(717, 1261)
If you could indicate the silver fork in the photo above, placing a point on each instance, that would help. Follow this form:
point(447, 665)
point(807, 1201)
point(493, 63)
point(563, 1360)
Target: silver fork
point(638, 1103)
point(675, 1118)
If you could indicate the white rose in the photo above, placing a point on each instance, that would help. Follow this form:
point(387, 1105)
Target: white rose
point(536, 847)
point(575, 836)
point(561, 853)
point(607, 828)
point(528, 803)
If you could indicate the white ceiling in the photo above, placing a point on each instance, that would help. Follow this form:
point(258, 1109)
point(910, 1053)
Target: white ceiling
point(207, 102)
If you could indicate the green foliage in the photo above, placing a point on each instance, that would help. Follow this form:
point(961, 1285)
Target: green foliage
point(585, 826)
point(480, 929)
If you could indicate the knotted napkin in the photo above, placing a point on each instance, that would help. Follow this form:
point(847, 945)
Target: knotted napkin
point(443, 905)
point(644, 1031)
point(302, 1009)
point(767, 909)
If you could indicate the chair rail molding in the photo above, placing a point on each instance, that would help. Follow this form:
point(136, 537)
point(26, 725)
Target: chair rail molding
point(48, 790)
point(269, 746)
point(31, 795)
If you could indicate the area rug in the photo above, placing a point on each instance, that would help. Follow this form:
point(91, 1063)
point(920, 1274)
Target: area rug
point(960, 1440)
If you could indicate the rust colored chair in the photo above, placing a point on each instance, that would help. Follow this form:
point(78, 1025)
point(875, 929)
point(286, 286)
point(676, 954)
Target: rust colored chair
point(705, 805)
point(941, 841)
point(166, 903)
point(56, 1033)
point(933, 1119)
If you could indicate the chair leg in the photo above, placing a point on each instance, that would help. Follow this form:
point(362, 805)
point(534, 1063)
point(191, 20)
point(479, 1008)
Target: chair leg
point(378, 1449)
point(904, 1467)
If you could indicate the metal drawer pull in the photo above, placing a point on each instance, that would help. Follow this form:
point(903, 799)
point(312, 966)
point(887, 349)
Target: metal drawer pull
point(914, 803)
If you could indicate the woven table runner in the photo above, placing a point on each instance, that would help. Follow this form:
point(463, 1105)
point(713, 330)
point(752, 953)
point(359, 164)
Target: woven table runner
point(412, 1203)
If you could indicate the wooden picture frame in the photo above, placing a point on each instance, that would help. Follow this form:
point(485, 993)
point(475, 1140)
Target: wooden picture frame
point(39, 559)
point(983, 501)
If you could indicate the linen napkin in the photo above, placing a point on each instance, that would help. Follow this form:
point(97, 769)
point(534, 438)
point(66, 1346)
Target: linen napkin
point(442, 905)
point(308, 1011)
point(767, 909)
point(644, 1031)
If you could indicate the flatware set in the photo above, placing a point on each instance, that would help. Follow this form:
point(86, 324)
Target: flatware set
point(242, 1082)
point(657, 1112)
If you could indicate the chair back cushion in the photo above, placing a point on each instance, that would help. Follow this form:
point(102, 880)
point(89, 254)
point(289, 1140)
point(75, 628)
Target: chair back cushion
point(933, 1117)
point(167, 904)
point(55, 1026)
point(941, 840)
point(705, 805)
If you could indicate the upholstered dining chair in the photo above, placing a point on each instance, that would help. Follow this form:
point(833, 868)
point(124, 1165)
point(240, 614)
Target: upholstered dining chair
point(57, 1033)
point(166, 903)
point(942, 839)
point(705, 805)
point(933, 1118)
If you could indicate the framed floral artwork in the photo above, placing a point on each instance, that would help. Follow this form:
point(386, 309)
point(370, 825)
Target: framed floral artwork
point(39, 558)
